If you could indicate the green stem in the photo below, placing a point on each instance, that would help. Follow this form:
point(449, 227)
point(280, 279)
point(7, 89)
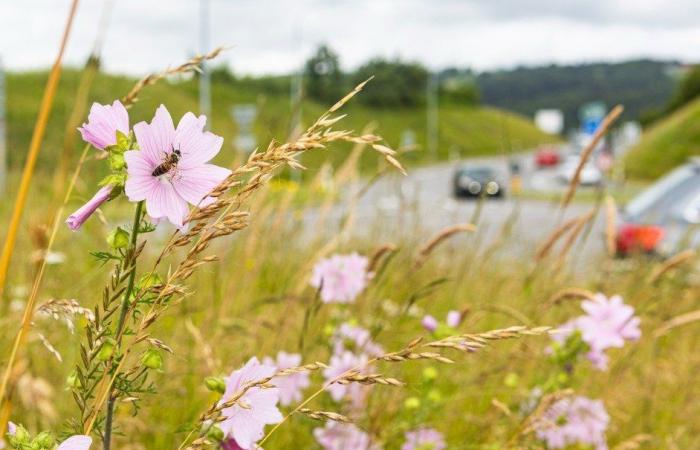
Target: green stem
point(130, 263)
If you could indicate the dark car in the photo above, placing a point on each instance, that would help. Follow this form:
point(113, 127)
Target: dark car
point(664, 218)
point(475, 181)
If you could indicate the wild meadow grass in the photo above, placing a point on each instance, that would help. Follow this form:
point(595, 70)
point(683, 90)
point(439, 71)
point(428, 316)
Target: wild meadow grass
point(111, 342)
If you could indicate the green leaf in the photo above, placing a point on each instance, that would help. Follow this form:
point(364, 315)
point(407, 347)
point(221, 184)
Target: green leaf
point(104, 257)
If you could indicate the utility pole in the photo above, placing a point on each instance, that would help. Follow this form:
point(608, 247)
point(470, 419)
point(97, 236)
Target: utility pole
point(432, 138)
point(3, 128)
point(205, 77)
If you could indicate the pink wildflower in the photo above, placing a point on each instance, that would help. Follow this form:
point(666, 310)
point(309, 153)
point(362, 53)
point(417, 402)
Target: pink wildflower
point(454, 318)
point(575, 420)
point(188, 179)
point(103, 123)
point(231, 444)
point(424, 439)
point(359, 337)
point(343, 436)
point(430, 323)
point(290, 386)
point(246, 425)
point(76, 220)
point(608, 322)
point(340, 364)
point(341, 278)
point(76, 442)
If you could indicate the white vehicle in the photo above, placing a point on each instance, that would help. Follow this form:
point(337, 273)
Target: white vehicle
point(590, 174)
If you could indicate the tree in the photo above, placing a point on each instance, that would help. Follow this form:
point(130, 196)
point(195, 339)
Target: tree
point(323, 79)
point(395, 83)
point(688, 89)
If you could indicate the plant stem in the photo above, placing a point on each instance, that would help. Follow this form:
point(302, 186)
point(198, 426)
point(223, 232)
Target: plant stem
point(130, 263)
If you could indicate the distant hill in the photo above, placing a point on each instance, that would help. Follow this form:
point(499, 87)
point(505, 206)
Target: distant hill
point(667, 144)
point(641, 86)
point(463, 130)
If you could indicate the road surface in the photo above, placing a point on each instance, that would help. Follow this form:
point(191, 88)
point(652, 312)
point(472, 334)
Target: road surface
point(420, 204)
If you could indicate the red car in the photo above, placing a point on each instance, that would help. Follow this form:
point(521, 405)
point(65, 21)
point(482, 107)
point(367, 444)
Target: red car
point(547, 157)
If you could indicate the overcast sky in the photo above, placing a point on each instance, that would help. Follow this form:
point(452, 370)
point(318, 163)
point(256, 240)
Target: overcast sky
point(274, 36)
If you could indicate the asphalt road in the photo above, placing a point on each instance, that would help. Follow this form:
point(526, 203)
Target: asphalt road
point(422, 203)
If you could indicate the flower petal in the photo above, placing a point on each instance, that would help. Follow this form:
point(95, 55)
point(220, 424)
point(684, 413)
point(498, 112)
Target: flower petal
point(77, 442)
point(140, 181)
point(193, 184)
point(156, 139)
point(197, 146)
point(163, 201)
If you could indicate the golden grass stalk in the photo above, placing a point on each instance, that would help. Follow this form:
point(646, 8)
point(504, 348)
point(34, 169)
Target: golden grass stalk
point(634, 442)
point(574, 234)
point(31, 301)
point(610, 225)
point(586, 154)
point(191, 65)
point(33, 153)
point(671, 263)
point(427, 249)
point(560, 232)
point(677, 321)
point(378, 255)
point(571, 294)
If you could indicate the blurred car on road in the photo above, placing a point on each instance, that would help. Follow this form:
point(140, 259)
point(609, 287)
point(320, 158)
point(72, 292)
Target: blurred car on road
point(547, 157)
point(590, 173)
point(475, 181)
point(664, 218)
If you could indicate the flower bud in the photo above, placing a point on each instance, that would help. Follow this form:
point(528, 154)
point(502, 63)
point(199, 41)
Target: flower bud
point(152, 359)
point(116, 161)
point(511, 380)
point(21, 436)
point(215, 384)
point(107, 350)
point(73, 380)
point(435, 396)
point(44, 441)
point(118, 238)
point(412, 403)
point(430, 373)
point(215, 434)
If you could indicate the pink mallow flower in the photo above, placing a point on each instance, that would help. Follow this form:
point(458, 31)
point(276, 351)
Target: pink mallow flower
point(231, 444)
point(290, 386)
point(188, 178)
point(454, 318)
point(343, 436)
point(76, 220)
point(574, 420)
point(424, 439)
point(341, 278)
point(246, 425)
point(76, 442)
point(340, 364)
point(359, 338)
point(430, 323)
point(103, 123)
point(608, 323)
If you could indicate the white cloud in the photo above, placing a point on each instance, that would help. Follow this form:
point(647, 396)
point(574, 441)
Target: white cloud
point(276, 35)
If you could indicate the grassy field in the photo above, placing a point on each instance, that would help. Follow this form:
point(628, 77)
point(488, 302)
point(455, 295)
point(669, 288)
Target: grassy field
point(667, 144)
point(246, 292)
point(256, 301)
point(464, 131)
